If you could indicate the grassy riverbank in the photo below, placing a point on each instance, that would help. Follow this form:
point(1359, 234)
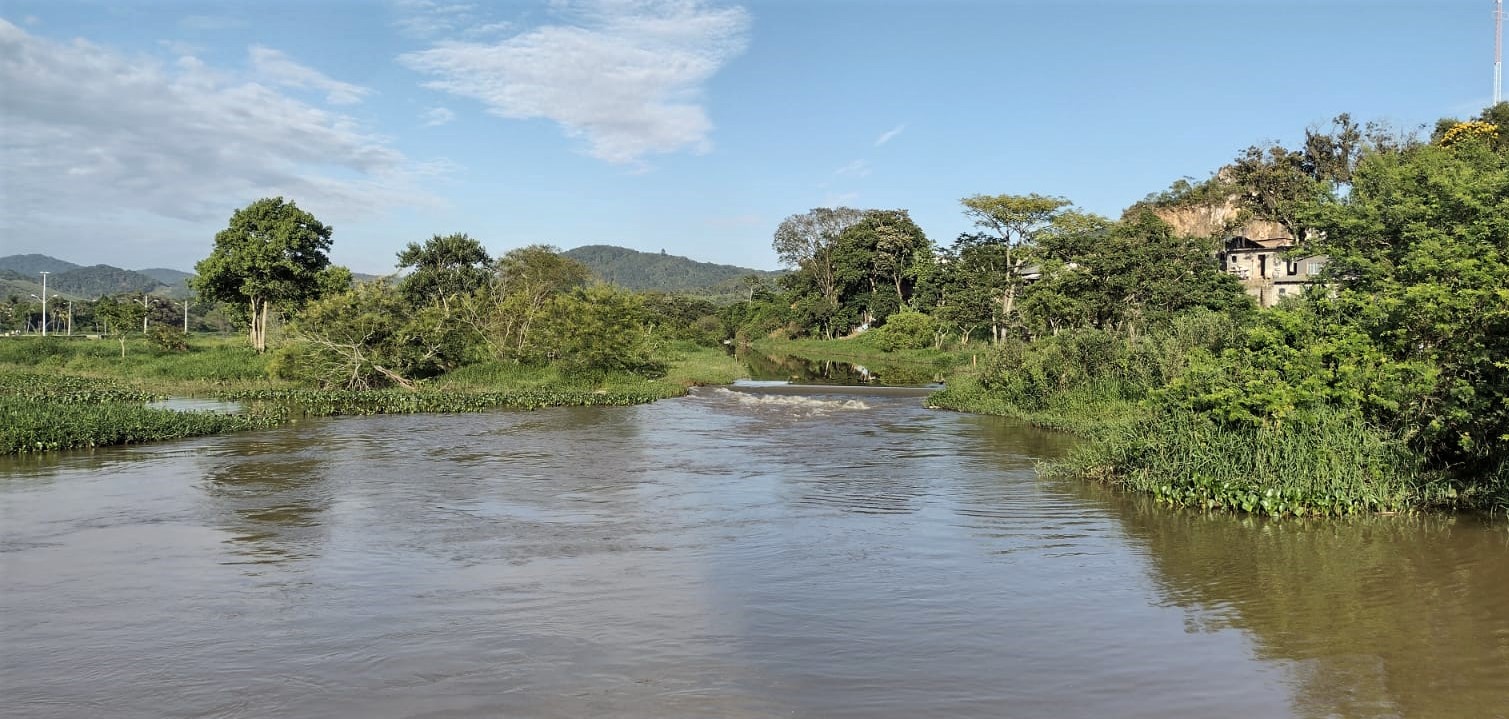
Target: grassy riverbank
point(77, 393)
point(1156, 411)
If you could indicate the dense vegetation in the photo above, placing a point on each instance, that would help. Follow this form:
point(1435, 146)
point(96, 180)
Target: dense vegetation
point(49, 412)
point(1383, 388)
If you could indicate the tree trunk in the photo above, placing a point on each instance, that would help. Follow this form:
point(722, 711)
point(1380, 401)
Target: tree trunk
point(252, 325)
point(260, 308)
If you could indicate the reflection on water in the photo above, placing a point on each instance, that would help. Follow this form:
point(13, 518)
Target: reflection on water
point(807, 552)
point(267, 492)
point(196, 404)
point(1383, 616)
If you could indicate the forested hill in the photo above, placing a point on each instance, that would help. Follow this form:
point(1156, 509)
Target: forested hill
point(72, 280)
point(31, 265)
point(635, 270)
point(101, 280)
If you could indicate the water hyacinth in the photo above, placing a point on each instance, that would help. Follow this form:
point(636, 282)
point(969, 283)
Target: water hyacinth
point(330, 403)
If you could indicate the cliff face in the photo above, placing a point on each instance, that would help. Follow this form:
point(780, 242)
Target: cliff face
point(1217, 219)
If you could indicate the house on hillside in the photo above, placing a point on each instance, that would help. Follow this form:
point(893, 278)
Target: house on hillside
point(1264, 270)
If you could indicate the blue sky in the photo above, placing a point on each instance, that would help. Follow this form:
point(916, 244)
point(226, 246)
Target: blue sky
point(129, 131)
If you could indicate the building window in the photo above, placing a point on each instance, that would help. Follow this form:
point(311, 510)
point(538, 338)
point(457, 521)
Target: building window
point(1315, 267)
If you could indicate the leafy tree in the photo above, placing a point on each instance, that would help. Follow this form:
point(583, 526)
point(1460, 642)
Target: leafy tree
point(966, 284)
point(880, 253)
point(1420, 260)
point(1014, 221)
point(444, 267)
point(519, 296)
point(1276, 184)
point(123, 316)
point(1123, 276)
point(272, 253)
point(601, 328)
point(807, 243)
point(682, 317)
point(369, 337)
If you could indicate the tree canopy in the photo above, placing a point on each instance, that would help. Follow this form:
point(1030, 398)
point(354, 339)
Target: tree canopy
point(271, 254)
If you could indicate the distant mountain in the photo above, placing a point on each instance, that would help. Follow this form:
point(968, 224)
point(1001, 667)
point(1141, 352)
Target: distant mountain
point(102, 280)
point(635, 270)
point(20, 275)
point(14, 286)
point(33, 265)
point(167, 276)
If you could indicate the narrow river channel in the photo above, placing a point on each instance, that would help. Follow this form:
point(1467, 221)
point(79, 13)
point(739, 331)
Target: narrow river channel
point(757, 553)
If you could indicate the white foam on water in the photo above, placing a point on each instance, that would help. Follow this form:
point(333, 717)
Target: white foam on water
point(792, 401)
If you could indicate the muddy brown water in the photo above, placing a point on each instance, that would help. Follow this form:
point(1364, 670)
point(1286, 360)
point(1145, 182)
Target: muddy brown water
point(807, 552)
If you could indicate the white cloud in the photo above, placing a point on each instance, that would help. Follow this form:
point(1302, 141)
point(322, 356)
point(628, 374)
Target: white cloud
point(93, 133)
point(436, 116)
point(626, 75)
point(273, 66)
point(429, 19)
point(857, 168)
point(889, 135)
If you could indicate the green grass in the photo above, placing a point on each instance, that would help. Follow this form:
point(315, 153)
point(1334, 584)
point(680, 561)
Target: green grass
point(212, 363)
point(1083, 410)
point(1332, 466)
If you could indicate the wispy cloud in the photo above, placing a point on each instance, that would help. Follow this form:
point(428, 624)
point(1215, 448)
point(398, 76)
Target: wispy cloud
point(857, 168)
point(430, 19)
point(93, 132)
point(625, 75)
point(890, 134)
point(278, 69)
point(437, 116)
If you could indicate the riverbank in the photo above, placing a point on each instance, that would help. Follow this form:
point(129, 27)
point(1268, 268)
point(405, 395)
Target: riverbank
point(1112, 393)
point(60, 394)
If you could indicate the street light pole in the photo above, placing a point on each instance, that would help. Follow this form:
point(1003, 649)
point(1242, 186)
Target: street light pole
point(44, 303)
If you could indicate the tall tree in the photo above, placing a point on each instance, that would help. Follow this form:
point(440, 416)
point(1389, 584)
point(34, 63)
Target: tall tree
point(1420, 260)
point(807, 243)
point(519, 297)
point(444, 267)
point(1015, 221)
point(272, 253)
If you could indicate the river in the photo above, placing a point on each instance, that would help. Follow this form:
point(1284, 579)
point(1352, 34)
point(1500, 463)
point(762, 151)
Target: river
point(751, 553)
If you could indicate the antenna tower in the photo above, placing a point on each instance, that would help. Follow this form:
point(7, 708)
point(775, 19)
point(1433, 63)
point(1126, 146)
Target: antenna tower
point(1498, 51)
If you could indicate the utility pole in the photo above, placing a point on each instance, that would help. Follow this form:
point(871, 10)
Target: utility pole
point(146, 309)
point(186, 317)
point(1498, 51)
point(70, 318)
point(44, 303)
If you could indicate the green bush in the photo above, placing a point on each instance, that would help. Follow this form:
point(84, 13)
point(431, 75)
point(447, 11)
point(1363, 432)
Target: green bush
point(905, 330)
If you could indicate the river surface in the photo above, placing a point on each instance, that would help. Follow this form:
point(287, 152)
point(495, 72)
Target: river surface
point(760, 553)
